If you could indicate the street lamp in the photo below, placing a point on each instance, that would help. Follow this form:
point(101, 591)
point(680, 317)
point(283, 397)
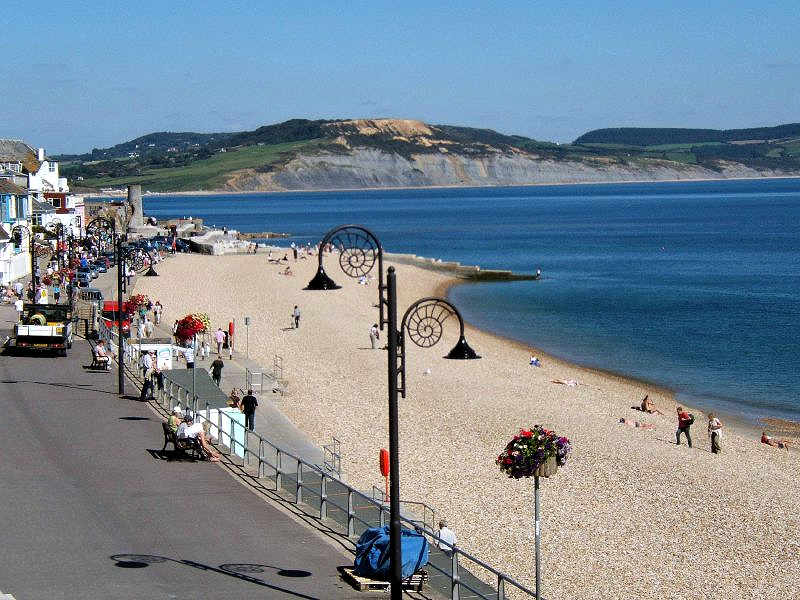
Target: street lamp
point(359, 250)
point(96, 227)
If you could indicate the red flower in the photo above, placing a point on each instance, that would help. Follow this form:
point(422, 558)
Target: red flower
point(527, 434)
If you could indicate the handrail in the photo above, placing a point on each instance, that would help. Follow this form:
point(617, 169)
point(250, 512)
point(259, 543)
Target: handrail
point(172, 392)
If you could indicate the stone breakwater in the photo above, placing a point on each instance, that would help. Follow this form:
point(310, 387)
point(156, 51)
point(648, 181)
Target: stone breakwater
point(456, 269)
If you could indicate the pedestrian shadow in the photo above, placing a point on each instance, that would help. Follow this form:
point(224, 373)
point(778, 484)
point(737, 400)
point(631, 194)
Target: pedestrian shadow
point(242, 571)
point(287, 328)
point(135, 419)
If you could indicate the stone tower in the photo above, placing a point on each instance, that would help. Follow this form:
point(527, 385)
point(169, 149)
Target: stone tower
point(135, 202)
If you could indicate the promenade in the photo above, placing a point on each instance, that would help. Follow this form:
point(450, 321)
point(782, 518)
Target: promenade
point(89, 511)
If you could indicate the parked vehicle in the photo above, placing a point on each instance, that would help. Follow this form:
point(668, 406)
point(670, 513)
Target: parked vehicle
point(44, 327)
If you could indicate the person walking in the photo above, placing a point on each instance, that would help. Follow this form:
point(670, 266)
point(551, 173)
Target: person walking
point(296, 317)
point(219, 337)
point(188, 354)
point(685, 421)
point(714, 432)
point(157, 310)
point(140, 328)
point(175, 331)
point(148, 363)
point(148, 327)
point(249, 404)
point(216, 370)
point(374, 335)
point(56, 292)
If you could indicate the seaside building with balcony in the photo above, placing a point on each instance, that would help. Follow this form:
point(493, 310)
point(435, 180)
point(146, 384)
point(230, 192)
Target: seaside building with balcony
point(15, 209)
point(31, 169)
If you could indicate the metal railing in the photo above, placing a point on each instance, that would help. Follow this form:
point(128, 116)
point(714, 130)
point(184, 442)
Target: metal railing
point(345, 509)
point(254, 380)
point(332, 457)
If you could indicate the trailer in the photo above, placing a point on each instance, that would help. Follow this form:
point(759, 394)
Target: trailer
point(46, 327)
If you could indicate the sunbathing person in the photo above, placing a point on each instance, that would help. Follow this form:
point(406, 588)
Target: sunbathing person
point(639, 424)
point(765, 439)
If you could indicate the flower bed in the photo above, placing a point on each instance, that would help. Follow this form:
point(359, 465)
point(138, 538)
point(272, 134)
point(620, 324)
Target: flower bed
point(526, 454)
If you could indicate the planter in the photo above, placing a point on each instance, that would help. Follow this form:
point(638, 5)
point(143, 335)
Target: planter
point(548, 468)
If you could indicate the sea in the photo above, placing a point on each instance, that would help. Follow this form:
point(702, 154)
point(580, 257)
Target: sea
point(694, 286)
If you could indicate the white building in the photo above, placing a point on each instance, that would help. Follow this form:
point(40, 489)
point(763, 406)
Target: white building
point(15, 209)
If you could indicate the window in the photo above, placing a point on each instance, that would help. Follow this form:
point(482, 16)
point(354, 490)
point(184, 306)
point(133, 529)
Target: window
point(52, 167)
point(36, 219)
point(56, 202)
point(4, 209)
point(22, 201)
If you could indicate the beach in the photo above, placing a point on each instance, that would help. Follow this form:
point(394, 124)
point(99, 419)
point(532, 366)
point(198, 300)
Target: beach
point(631, 515)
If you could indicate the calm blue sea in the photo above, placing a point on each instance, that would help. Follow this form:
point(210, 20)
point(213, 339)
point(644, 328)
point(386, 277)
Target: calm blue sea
point(692, 285)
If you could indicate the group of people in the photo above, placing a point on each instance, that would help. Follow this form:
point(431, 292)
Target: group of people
point(686, 420)
point(187, 428)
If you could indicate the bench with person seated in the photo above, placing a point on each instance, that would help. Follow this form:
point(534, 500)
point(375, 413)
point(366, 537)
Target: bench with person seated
point(99, 362)
point(182, 445)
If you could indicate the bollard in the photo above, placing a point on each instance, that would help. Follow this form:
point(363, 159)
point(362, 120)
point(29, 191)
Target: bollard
point(298, 496)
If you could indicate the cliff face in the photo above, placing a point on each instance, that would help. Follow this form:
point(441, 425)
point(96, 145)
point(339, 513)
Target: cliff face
point(363, 167)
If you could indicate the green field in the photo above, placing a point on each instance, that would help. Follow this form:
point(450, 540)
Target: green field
point(207, 174)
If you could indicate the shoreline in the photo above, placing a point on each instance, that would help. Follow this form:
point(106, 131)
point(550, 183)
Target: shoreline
point(739, 424)
point(441, 187)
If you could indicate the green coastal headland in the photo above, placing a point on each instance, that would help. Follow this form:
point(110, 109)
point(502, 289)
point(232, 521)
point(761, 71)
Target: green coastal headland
point(303, 154)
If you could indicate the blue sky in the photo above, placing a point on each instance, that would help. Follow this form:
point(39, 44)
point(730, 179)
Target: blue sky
point(88, 74)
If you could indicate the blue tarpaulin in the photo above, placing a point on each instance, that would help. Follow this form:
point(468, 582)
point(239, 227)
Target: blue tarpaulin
point(372, 553)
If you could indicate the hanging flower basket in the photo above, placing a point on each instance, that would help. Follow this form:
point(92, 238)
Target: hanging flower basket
point(534, 452)
point(136, 302)
point(191, 325)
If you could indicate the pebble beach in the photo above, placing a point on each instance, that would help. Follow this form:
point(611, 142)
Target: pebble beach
point(631, 515)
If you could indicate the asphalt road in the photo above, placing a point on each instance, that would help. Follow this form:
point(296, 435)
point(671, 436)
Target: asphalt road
point(88, 511)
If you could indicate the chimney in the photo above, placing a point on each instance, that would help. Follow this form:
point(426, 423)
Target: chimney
point(40, 155)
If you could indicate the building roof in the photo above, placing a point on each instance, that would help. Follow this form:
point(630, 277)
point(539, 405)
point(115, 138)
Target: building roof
point(19, 151)
point(6, 187)
point(42, 207)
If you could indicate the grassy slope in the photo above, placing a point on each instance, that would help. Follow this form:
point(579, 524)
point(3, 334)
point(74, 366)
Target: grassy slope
point(208, 174)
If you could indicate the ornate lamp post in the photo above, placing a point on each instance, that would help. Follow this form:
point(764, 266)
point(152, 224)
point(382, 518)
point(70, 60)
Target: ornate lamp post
point(57, 229)
point(359, 250)
point(98, 227)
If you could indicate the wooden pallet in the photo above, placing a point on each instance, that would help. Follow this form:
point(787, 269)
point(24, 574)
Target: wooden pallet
point(365, 584)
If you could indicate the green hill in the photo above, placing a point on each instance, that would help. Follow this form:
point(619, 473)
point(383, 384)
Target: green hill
point(653, 136)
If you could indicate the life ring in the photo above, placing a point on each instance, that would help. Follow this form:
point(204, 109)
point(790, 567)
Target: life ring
point(38, 319)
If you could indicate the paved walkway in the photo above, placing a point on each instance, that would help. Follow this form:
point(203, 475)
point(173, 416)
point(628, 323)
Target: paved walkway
point(90, 508)
point(270, 421)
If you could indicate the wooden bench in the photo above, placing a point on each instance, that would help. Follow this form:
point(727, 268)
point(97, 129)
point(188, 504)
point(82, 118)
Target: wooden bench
point(182, 445)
